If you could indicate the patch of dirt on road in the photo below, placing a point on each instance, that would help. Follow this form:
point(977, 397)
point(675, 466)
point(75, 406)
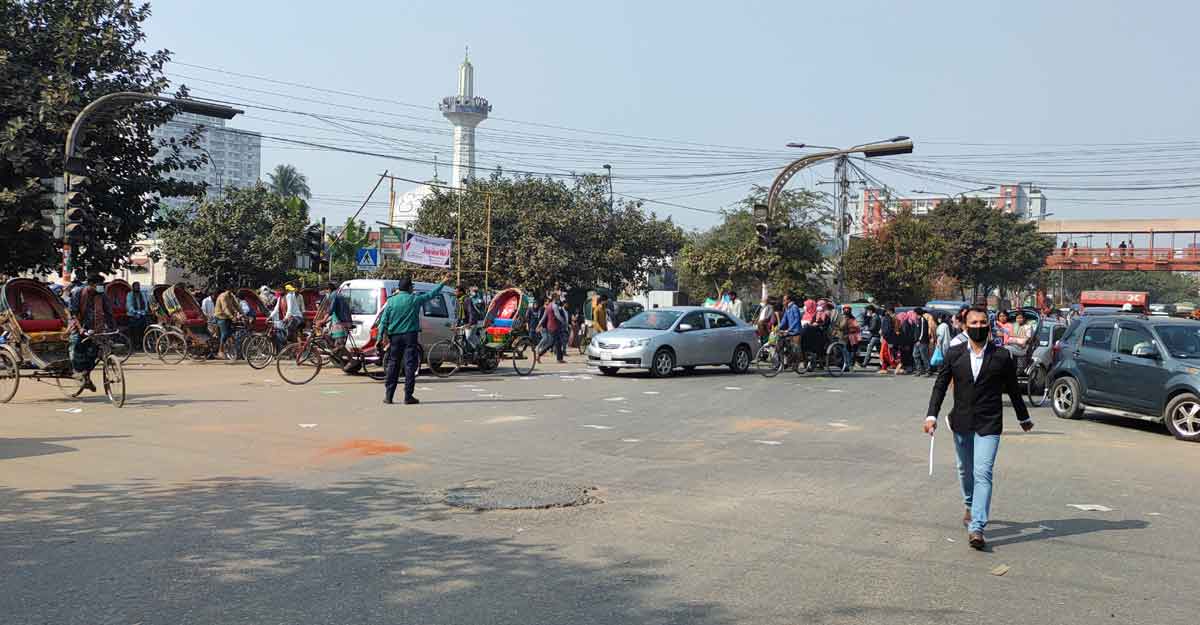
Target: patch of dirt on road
point(366, 447)
point(773, 425)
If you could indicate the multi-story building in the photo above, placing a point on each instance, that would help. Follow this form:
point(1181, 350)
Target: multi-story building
point(875, 206)
point(234, 155)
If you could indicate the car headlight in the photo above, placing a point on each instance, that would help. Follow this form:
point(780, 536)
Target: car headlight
point(639, 342)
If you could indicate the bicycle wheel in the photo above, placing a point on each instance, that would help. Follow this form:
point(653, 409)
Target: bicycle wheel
point(120, 346)
point(150, 340)
point(258, 350)
point(10, 374)
point(114, 380)
point(444, 358)
point(172, 347)
point(835, 360)
point(68, 384)
point(768, 361)
point(298, 363)
point(522, 355)
point(1036, 386)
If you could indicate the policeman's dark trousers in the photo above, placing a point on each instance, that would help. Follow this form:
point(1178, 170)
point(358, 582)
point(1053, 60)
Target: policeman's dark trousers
point(403, 351)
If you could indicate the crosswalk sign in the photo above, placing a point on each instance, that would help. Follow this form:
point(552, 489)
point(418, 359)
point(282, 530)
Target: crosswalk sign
point(367, 259)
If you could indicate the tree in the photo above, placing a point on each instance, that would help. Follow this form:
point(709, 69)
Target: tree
point(898, 264)
point(985, 247)
point(1164, 286)
point(248, 236)
point(729, 255)
point(57, 56)
point(344, 253)
point(545, 233)
point(287, 181)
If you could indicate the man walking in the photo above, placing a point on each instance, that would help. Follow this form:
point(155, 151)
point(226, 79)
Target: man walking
point(401, 323)
point(921, 334)
point(981, 373)
point(135, 310)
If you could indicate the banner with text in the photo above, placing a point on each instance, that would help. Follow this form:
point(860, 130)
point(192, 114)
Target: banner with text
point(426, 250)
point(391, 242)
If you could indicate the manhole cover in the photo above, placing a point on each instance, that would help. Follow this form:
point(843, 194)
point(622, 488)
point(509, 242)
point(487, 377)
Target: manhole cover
point(522, 495)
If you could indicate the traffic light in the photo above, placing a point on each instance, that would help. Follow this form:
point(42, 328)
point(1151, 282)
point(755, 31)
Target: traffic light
point(766, 235)
point(314, 247)
point(51, 194)
point(78, 218)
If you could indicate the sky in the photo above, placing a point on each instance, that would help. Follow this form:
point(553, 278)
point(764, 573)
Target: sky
point(692, 102)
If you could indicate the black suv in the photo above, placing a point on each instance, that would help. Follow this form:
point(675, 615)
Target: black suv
point(1131, 366)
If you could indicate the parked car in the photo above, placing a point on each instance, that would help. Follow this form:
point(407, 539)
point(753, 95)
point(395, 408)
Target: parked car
point(662, 339)
point(1132, 366)
point(367, 298)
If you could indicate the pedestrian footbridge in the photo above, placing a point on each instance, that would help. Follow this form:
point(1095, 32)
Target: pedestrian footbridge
point(1124, 244)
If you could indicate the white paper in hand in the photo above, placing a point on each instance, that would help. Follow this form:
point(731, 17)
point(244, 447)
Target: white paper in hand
point(931, 455)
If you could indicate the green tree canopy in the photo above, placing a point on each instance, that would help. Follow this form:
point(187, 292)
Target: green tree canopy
point(898, 264)
point(344, 251)
point(287, 181)
point(248, 237)
point(545, 233)
point(986, 247)
point(729, 256)
point(57, 56)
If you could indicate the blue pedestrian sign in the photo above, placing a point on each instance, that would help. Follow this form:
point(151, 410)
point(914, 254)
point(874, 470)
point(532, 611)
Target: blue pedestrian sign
point(367, 259)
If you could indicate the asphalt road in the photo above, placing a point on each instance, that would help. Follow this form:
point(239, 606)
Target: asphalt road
point(222, 495)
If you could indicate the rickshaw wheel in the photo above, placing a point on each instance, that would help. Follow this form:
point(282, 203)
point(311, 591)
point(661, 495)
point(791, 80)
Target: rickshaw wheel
point(259, 351)
point(68, 384)
point(150, 340)
point(444, 358)
point(10, 374)
point(171, 348)
point(114, 381)
point(522, 356)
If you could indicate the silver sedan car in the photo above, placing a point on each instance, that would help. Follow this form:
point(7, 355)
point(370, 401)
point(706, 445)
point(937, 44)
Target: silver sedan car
point(662, 339)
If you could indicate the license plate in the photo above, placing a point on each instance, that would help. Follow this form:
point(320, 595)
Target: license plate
point(605, 356)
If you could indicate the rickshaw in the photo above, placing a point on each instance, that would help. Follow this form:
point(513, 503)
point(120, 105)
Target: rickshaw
point(190, 335)
point(160, 319)
point(252, 336)
point(312, 301)
point(34, 336)
point(115, 291)
point(505, 334)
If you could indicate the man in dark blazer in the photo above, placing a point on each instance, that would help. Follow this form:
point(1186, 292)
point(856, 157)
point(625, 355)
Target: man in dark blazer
point(982, 374)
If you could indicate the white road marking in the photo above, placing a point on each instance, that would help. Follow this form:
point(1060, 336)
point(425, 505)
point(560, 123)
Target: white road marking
point(614, 399)
point(769, 442)
point(597, 427)
point(511, 419)
point(307, 425)
point(631, 440)
point(70, 410)
point(1089, 507)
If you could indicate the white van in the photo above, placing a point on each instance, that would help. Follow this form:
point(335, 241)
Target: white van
point(367, 298)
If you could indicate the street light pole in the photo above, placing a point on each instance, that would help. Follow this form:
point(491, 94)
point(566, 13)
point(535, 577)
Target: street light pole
point(608, 168)
point(74, 165)
point(895, 145)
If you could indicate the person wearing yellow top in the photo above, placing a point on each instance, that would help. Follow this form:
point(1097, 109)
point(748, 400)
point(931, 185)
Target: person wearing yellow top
point(600, 315)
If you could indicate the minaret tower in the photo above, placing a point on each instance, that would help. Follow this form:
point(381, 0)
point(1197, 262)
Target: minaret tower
point(465, 111)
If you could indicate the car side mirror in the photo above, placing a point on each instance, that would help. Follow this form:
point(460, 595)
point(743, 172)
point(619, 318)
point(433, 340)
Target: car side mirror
point(1146, 350)
point(685, 327)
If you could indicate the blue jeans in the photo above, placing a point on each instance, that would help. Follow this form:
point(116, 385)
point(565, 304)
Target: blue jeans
point(921, 357)
point(224, 329)
point(976, 457)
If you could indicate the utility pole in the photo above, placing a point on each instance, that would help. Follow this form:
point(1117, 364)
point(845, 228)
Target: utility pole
point(608, 168)
point(843, 188)
point(487, 251)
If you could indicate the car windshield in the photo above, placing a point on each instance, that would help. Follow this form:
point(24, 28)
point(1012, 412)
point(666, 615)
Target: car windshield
point(363, 301)
point(652, 320)
point(1182, 341)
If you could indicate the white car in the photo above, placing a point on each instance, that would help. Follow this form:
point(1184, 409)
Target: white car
point(662, 339)
point(367, 298)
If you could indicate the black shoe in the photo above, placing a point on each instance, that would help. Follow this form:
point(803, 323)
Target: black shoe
point(89, 385)
point(408, 401)
point(388, 401)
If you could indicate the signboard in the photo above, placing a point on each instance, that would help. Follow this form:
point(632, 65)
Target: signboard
point(367, 259)
point(425, 250)
point(391, 241)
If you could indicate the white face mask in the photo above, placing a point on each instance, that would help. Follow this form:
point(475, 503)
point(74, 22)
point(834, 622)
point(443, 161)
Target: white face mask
point(99, 288)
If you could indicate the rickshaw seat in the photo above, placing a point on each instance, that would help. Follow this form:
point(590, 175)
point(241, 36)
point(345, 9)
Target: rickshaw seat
point(41, 325)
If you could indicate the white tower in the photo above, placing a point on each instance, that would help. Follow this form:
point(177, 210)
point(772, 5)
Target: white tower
point(465, 111)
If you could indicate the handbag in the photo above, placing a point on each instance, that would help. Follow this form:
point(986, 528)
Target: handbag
point(938, 358)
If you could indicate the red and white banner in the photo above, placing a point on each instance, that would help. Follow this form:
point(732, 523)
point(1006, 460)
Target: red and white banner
point(426, 250)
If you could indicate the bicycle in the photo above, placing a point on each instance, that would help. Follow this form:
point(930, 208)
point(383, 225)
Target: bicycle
point(112, 374)
point(257, 348)
point(774, 355)
point(300, 362)
point(447, 356)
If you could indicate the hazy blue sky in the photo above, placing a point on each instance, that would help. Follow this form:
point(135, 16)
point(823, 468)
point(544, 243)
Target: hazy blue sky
point(747, 74)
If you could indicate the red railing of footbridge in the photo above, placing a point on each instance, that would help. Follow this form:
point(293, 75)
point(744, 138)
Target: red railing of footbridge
point(1129, 259)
